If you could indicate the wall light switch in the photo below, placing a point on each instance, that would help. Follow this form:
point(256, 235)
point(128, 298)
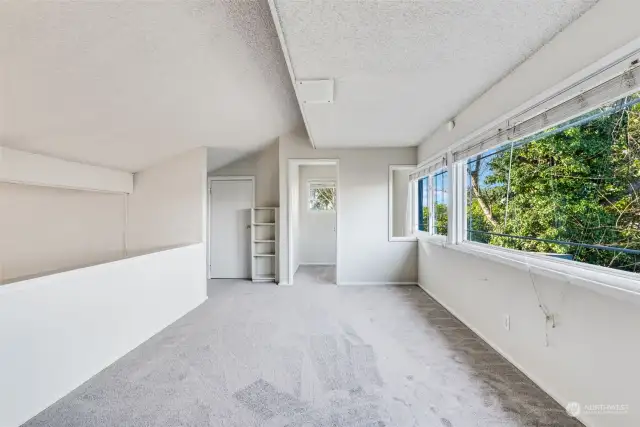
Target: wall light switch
point(507, 322)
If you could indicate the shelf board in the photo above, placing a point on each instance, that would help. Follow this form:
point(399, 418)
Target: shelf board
point(264, 255)
point(263, 241)
point(264, 209)
point(264, 223)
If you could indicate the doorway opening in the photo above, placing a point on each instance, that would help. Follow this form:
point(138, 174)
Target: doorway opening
point(313, 221)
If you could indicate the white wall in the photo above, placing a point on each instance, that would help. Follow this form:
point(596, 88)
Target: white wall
point(49, 229)
point(317, 236)
point(592, 357)
point(365, 255)
point(168, 206)
point(576, 47)
point(58, 331)
point(264, 166)
point(592, 353)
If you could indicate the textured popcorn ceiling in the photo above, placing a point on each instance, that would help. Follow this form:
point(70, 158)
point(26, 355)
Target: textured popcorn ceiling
point(402, 68)
point(128, 83)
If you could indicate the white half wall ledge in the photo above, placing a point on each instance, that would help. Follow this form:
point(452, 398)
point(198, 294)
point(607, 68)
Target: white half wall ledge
point(21, 167)
point(59, 330)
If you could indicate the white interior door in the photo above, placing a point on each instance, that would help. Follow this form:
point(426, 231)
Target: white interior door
point(230, 206)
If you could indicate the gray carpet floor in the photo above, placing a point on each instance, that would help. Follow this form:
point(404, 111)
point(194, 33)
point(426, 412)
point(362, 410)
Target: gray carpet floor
point(315, 275)
point(310, 355)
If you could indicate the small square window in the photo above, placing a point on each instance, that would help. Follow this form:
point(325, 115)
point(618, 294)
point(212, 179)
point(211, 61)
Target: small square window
point(322, 196)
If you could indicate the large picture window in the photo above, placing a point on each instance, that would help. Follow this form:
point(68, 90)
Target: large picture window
point(571, 191)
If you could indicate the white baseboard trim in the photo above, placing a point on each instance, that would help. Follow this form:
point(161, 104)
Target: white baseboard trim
point(562, 402)
point(318, 263)
point(378, 283)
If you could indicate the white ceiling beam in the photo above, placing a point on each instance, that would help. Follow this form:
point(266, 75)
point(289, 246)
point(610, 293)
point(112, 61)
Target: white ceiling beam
point(287, 59)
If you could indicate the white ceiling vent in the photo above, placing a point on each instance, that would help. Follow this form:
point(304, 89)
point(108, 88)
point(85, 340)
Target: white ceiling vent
point(315, 91)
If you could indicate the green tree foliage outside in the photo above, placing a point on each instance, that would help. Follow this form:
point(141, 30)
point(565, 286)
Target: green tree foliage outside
point(437, 192)
point(578, 185)
point(441, 221)
point(323, 199)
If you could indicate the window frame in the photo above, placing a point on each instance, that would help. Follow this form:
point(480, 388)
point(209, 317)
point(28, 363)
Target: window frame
point(324, 183)
point(605, 280)
point(429, 227)
point(538, 135)
point(413, 203)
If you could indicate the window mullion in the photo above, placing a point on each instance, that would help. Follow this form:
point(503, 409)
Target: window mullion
point(431, 202)
point(462, 212)
point(451, 199)
point(458, 201)
point(419, 203)
point(415, 194)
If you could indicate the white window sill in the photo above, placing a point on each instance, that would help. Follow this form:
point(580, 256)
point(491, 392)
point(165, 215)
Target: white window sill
point(618, 284)
point(436, 239)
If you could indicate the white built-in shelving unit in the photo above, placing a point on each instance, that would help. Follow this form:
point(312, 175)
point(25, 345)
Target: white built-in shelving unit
point(264, 248)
